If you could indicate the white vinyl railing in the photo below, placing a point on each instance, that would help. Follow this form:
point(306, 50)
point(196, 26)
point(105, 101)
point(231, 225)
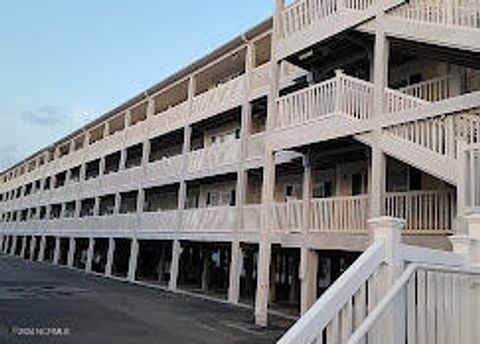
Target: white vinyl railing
point(340, 95)
point(345, 214)
point(344, 306)
point(436, 134)
point(439, 307)
point(432, 90)
point(442, 12)
point(396, 101)
point(380, 280)
point(423, 211)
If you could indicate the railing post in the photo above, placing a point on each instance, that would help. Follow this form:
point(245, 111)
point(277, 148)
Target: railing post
point(339, 90)
point(388, 229)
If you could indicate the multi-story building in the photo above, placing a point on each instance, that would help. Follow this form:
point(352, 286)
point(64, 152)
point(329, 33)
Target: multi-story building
point(250, 174)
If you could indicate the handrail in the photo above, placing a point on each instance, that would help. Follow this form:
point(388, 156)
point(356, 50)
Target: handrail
point(319, 315)
point(401, 282)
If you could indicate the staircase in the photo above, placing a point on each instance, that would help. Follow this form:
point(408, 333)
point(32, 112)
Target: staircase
point(396, 293)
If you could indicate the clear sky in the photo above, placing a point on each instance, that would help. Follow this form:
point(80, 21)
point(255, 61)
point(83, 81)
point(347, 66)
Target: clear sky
point(65, 62)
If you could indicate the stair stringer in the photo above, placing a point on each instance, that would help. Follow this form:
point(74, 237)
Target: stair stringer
point(440, 166)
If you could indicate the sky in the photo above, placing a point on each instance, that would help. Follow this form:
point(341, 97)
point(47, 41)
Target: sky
point(63, 63)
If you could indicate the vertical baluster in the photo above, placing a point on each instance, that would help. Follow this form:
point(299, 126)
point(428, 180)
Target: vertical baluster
point(411, 310)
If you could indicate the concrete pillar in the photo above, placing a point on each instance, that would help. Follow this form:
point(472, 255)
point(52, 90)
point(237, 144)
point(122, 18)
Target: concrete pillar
point(71, 252)
point(118, 202)
point(174, 266)
point(145, 152)
point(41, 253)
point(91, 245)
point(56, 252)
point(2, 241)
point(110, 256)
point(24, 246)
point(388, 230)
point(235, 270)
point(96, 207)
point(132, 265)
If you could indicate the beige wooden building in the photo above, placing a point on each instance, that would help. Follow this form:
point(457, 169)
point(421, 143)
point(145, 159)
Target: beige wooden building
point(250, 174)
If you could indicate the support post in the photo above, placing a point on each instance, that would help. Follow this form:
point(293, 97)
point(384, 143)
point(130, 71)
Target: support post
point(380, 76)
point(110, 257)
point(13, 247)
point(91, 245)
point(388, 229)
point(174, 266)
point(308, 257)
point(235, 270)
point(24, 246)
point(132, 265)
point(33, 243)
point(41, 253)
point(56, 252)
point(71, 252)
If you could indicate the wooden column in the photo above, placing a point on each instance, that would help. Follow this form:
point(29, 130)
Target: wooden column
point(174, 266)
point(110, 257)
point(308, 257)
point(24, 244)
point(132, 265)
point(41, 253)
point(56, 252)
point(91, 245)
point(378, 169)
point(71, 252)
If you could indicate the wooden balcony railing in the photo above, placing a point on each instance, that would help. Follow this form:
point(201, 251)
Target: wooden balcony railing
point(345, 214)
point(432, 90)
point(214, 156)
point(424, 211)
point(396, 101)
point(303, 13)
point(436, 134)
point(340, 95)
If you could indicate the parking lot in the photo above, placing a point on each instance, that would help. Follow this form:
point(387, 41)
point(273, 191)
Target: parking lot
point(40, 303)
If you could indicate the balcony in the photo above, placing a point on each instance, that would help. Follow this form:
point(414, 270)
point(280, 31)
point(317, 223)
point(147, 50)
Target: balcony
point(218, 99)
point(306, 22)
point(425, 212)
point(441, 12)
point(216, 157)
point(210, 219)
point(342, 95)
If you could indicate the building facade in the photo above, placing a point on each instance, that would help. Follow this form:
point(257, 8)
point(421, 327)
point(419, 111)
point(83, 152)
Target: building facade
point(250, 175)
